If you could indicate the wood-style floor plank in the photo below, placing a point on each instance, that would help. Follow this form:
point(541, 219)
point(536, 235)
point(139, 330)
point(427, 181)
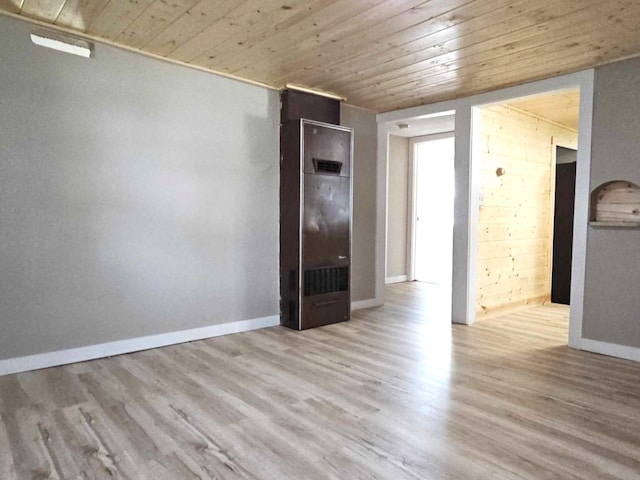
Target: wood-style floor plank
point(396, 393)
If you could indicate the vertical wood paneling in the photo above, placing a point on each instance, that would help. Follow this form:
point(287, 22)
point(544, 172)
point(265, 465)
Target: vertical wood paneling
point(516, 212)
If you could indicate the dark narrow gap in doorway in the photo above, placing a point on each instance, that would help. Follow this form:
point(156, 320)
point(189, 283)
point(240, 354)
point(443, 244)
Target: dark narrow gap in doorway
point(565, 193)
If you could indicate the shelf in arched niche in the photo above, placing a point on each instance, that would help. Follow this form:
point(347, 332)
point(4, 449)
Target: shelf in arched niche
point(615, 204)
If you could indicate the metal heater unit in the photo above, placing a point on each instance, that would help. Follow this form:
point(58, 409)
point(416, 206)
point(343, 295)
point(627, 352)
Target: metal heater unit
point(315, 223)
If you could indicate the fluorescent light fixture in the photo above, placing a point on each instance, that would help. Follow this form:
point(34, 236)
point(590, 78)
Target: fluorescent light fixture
point(63, 44)
point(315, 92)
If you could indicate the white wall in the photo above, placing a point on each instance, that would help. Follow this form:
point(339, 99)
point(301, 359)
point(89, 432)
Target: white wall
point(397, 207)
point(136, 197)
point(364, 127)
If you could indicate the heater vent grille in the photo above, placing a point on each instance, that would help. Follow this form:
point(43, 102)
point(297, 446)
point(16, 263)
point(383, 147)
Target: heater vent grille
point(331, 167)
point(326, 280)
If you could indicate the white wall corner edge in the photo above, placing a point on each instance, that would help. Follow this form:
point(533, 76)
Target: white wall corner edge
point(119, 347)
point(611, 349)
point(362, 304)
point(397, 279)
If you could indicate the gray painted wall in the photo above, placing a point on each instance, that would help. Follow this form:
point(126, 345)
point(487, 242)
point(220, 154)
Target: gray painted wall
point(397, 206)
point(612, 302)
point(364, 200)
point(566, 155)
point(136, 197)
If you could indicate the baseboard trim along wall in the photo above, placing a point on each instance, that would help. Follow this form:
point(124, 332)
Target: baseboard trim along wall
point(362, 304)
point(611, 349)
point(91, 352)
point(398, 279)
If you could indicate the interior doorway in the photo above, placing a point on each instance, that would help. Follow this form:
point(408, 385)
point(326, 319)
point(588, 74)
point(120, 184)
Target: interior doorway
point(470, 195)
point(564, 206)
point(526, 149)
point(431, 237)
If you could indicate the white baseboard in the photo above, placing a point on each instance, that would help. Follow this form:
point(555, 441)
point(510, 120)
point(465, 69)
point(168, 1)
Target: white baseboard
point(611, 349)
point(362, 304)
point(91, 352)
point(398, 279)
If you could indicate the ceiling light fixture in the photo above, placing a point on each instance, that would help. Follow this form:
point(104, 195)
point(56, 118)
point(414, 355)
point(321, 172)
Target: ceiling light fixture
point(315, 92)
point(63, 44)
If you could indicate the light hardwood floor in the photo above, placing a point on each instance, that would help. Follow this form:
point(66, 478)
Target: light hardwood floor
point(394, 394)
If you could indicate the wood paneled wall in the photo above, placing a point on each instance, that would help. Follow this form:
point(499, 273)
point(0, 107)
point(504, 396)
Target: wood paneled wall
point(516, 214)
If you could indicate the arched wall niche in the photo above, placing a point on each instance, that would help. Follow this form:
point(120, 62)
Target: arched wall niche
point(615, 204)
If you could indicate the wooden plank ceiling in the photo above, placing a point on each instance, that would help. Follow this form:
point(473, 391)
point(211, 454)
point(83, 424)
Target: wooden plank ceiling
point(562, 108)
point(379, 54)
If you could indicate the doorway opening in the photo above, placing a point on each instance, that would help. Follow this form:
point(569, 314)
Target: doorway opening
point(564, 206)
point(420, 202)
point(431, 229)
point(527, 152)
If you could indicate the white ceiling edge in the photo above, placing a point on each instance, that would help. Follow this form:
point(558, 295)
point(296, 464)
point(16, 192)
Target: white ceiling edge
point(423, 126)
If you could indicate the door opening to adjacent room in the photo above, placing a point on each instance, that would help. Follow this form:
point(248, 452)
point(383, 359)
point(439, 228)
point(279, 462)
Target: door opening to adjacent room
point(420, 191)
point(527, 153)
point(431, 238)
point(565, 199)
